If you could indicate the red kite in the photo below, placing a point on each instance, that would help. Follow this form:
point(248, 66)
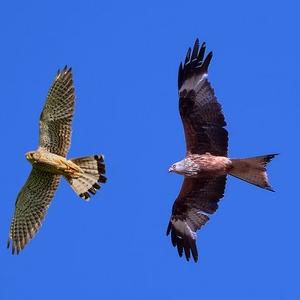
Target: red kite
point(206, 164)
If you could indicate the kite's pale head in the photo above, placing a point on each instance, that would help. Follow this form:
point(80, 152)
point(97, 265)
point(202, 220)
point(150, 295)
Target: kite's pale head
point(185, 167)
point(179, 167)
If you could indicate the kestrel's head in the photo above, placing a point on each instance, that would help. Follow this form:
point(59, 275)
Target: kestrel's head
point(30, 156)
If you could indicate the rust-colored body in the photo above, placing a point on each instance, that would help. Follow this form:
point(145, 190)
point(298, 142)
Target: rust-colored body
point(202, 165)
point(208, 165)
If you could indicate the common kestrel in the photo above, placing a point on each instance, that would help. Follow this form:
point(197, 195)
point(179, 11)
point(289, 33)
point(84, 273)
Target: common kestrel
point(49, 163)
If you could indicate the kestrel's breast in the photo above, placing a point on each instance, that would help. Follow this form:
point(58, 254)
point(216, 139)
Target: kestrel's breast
point(56, 164)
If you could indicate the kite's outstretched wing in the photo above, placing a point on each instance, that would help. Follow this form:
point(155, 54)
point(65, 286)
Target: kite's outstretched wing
point(197, 199)
point(201, 114)
point(56, 117)
point(31, 206)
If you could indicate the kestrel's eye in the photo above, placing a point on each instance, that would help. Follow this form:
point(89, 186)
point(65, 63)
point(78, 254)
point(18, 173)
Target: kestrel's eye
point(174, 167)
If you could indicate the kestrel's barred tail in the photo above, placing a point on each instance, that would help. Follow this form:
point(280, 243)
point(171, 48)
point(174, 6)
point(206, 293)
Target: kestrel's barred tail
point(87, 183)
point(253, 170)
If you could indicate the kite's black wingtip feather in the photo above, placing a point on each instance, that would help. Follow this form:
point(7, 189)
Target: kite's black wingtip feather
point(196, 44)
point(207, 60)
point(169, 229)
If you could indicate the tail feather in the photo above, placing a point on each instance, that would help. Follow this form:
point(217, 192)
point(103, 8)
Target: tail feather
point(253, 170)
point(92, 178)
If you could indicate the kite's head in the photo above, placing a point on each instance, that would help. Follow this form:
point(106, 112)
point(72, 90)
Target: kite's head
point(178, 167)
point(185, 167)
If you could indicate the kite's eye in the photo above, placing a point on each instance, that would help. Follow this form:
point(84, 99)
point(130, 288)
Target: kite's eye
point(174, 167)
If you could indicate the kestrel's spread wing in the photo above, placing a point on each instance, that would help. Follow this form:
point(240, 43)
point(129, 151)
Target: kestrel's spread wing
point(197, 199)
point(55, 135)
point(31, 206)
point(56, 117)
point(201, 114)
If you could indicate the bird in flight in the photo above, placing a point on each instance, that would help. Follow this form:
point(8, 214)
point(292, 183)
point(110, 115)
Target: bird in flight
point(49, 163)
point(206, 164)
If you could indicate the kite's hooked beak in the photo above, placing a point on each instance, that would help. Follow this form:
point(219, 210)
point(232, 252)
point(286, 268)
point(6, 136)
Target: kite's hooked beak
point(170, 170)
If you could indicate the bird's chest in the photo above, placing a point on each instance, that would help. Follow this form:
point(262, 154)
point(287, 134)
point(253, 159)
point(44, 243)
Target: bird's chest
point(209, 165)
point(52, 163)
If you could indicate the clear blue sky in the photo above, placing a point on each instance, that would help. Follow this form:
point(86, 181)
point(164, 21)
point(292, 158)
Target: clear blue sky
point(125, 57)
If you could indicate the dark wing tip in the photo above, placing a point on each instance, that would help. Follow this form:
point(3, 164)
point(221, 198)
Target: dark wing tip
point(169, 229)
point(194, 250)
point(194, 63)
point(184, 243)
point(65, 70)
point(202, 52)
point(207, 61)
point(180, 75)
point(195, 49)
point(187, 251)
point(188, 56)
point(195, 258)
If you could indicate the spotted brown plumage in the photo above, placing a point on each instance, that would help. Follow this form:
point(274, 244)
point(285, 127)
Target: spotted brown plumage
point(49, 163)
point(56, 117)
point(206, 164)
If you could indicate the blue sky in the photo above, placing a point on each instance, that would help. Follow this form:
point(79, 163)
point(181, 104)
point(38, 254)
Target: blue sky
point(125, 57)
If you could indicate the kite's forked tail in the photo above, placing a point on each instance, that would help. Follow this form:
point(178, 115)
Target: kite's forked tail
point(253, 170)
point(87, 183)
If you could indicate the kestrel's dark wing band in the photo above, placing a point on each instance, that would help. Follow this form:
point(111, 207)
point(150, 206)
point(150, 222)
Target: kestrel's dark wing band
point(197, 199)
point(56, 117)
point(31, 206)
point(201, 114)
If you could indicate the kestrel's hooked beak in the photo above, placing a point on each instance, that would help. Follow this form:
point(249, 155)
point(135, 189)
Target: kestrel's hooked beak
point(29, 156)
point(170, 170)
